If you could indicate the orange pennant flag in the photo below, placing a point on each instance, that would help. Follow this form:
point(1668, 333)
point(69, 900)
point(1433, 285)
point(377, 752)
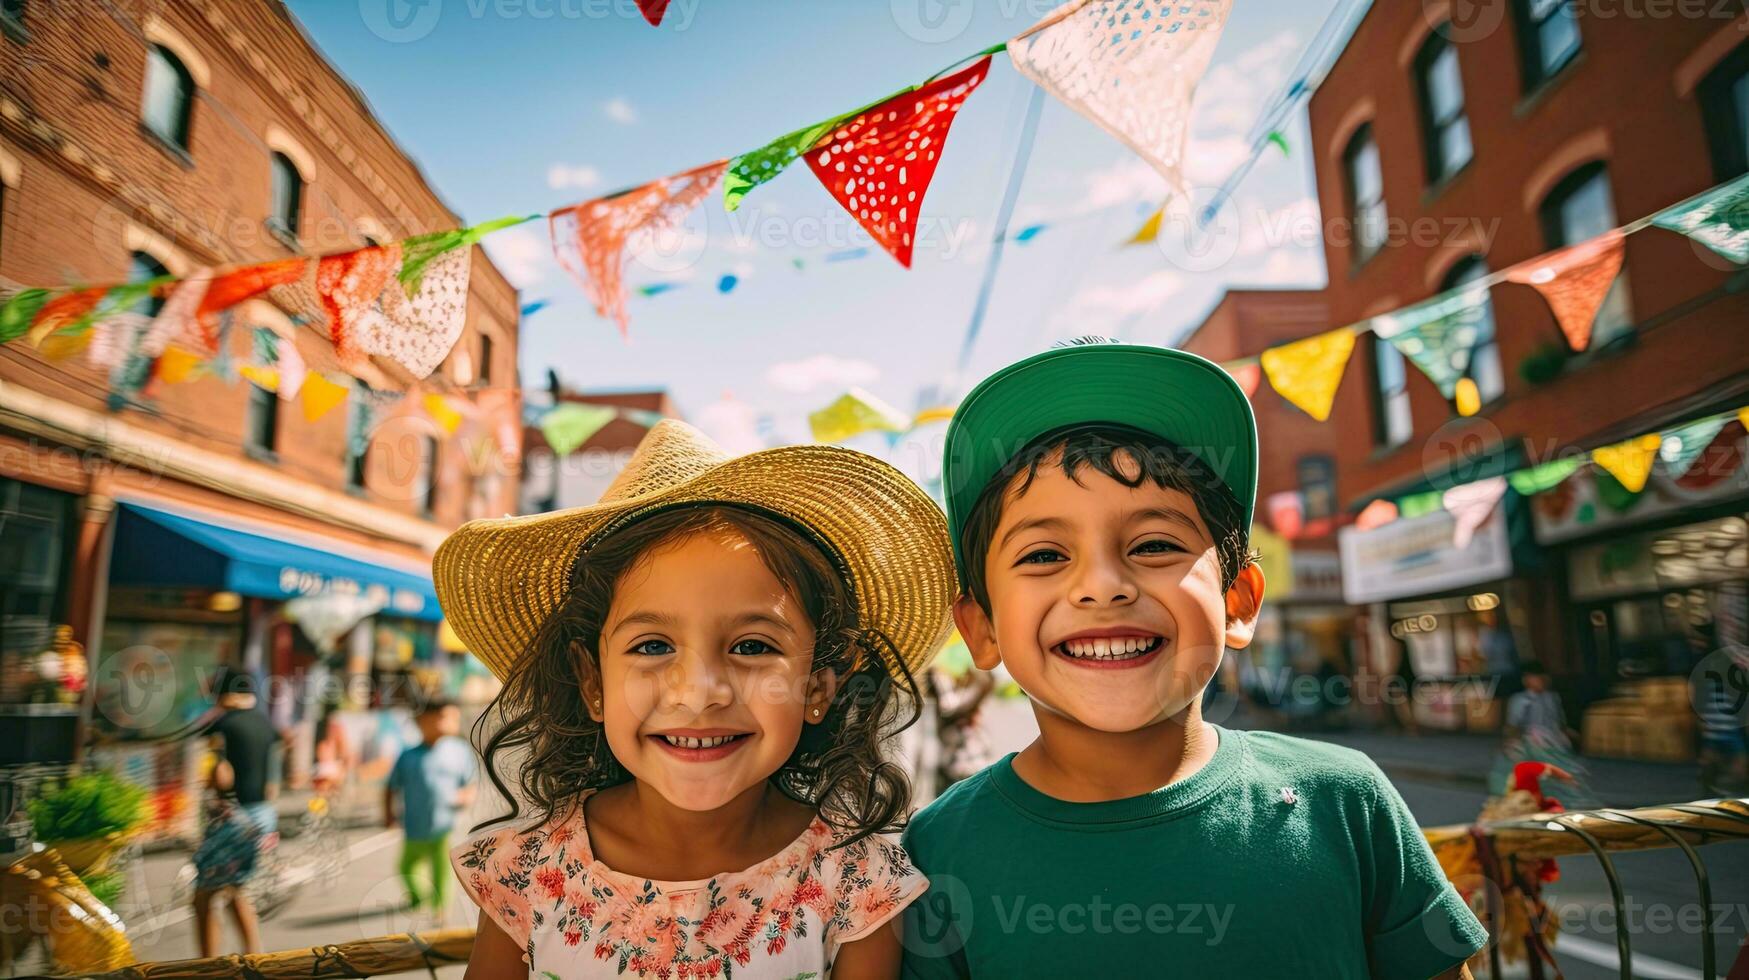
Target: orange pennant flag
point(1307, 372)
point(176, 365)
point(319, 396)
point(1574, 282)
point(1248, 373)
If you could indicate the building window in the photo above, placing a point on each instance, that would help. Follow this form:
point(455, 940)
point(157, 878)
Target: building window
point(1578, 209)
point(142, 267)
point(1392, 423)
point(1724, 103)
point(425, 481)
point(1548, 38)
point(485, 361)
point(1318, 487)
point(169, 97)
point(1485, 368)
point(1366, 193)
point(358, 434)
point(263, 422)
point(12, 20)
point(1445, 129)
point(288, 193)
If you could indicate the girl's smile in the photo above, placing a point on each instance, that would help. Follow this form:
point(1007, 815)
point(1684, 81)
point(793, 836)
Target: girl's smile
point(701, 744)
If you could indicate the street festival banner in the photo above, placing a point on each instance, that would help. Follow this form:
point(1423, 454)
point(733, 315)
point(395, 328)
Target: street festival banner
point(1130, 68)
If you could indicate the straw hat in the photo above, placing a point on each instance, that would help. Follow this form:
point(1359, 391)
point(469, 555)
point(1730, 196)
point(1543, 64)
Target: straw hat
point(498, 580)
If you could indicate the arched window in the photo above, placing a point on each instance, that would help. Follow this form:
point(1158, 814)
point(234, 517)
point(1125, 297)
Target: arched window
point(142, 267)
point(1548, 38)
point(1724, 100)
point(1580, 208)
point(168, 98)
point(286, 212)
point(1485, 368)
point(1366, 193)
point(1445, 129)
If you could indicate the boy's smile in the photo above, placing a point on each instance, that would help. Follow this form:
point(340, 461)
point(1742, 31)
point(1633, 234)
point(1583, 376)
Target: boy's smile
point(1106, 600)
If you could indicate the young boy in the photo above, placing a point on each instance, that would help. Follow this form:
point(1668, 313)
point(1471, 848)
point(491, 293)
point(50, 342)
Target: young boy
point(435, 781)
point(1100, 498)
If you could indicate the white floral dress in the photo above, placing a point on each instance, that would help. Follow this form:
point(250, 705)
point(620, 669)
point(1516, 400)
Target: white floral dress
point(784, 917)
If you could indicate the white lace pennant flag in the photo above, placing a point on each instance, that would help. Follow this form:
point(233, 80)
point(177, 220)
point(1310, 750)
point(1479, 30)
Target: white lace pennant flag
point(1129, 65)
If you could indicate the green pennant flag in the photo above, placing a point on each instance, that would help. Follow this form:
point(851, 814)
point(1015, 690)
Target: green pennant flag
point(1684, 444)
point(571, 424)
point(755, 167)
point(1718, 219)
point(421, 250)
point(1544, 476)
point(1276, 138)
point(1438, 335)
point(21, 308)
point(1418, 504)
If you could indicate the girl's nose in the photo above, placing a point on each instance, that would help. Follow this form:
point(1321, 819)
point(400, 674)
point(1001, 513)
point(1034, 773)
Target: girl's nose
point(698, 682)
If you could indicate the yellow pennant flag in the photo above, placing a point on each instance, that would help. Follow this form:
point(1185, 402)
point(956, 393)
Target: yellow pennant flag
point(1308, 372)
point(60, 346)
point(854, 413)
point(440, 411)
point(319, 396)
point(265, 377)
point(942, 413)
point(177, 365)
point(1150, 229)
point(1630, 462)
point(1743, 417)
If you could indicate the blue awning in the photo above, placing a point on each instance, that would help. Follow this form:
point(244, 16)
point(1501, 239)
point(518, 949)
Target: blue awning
point(156, 547)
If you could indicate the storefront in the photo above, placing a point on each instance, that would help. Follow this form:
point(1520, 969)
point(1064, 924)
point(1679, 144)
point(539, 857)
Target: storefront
point(42, 672)
point(1297, 667)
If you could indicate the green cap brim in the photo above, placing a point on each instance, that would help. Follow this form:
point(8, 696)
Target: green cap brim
point(1178, 396)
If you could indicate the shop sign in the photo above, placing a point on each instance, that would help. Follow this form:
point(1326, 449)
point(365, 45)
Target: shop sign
point(300, 582)
point(1317, 576)
point(1416, 556)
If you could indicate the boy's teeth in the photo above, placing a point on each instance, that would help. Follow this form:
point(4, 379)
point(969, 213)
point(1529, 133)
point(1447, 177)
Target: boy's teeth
point(1121, 648)
point(683, 742)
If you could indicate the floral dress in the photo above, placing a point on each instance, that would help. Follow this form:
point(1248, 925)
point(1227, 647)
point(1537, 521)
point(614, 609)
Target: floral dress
point(784, 917)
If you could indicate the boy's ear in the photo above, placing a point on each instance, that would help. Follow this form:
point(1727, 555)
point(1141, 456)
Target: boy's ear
point(977, 630)
point(822, 687)
point(1244, 602)
point(589, 682)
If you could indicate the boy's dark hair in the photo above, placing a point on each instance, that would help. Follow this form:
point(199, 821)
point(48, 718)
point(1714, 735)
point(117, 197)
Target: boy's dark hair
point(1164, 463)
point(434, 705)
point(232, 680)
point(1528, 667)
point(838, 766)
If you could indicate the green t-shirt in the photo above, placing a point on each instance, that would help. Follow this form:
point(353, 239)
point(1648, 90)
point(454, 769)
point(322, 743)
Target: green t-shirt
point(1281, 857)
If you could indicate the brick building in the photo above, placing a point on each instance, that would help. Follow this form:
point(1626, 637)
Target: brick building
point(139, 139)
point(1444, 152)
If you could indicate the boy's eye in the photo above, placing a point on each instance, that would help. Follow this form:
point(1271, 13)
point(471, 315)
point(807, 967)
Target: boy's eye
point(1158, 546)
point(652, 648)
point(1042, 556)
point(752, 648)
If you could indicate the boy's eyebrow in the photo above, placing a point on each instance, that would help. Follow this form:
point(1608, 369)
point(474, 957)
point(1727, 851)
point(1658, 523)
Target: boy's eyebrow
point(1048, 523)
point(1169, 514)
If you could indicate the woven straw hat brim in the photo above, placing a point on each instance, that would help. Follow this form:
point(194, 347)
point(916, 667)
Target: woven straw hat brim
point(498, 580)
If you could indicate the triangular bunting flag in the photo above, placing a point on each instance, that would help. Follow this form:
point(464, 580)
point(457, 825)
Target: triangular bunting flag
point(1629, 462)
point(292, 369)
point(263, 377)
point(589, 239)
point(854, 413)
point(653, 11)
point(350, 286)
point(1418, 504)
point(641, 416)
point(1287, 512)
point(176, 365)
point(1574, 282)
point(319, 396)
point(755, 167)
point(190, 316)
point(176, 319)
point(1150, 229)
point(571, 425)
point(939, 413)
point(375, 310)
point(20, 311)
point(1308, 372)
point(878, 163)
point(1438, 335)
point(418, 252)
point(63, 311)
point(1470, 506)
point(443, 413)
point(1249, 374)
point(1543, 476)
point(1718, 219)
point(1131, 66)
point(1377, 514)
point(1684, 444)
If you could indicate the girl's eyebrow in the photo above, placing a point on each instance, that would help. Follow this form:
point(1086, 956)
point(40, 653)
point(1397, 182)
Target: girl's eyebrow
point(756, 618)
point(647, 617)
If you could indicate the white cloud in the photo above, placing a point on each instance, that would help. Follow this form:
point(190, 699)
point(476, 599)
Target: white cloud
point(821, 371)
point(582, 176)
point(1097, 309)
point(1208, 161)
point(1230, 96)
point(620, 111)
point(524, 256)
point(1290, 267)
point(732, 424)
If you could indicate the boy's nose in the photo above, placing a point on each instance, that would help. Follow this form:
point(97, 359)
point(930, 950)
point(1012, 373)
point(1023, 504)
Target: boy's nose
point(1103, 583)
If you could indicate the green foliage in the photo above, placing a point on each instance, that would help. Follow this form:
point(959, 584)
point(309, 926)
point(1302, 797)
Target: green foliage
point(105, 887)
point(89, 805)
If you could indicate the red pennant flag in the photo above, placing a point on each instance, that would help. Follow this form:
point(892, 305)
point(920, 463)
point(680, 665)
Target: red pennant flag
point(1574, 282)
point(190, 316)
point(350, 285)
point(1249, 374)
point(589, 239)
point(653, 11)
point(879, 163)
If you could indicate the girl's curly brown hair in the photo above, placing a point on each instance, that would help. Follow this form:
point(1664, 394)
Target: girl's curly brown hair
point(838, 766)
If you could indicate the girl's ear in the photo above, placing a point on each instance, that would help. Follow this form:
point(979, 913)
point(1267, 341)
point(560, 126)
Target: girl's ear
point(589, 682)
point(978, 632)
point(1244, 602)
point(822, 687)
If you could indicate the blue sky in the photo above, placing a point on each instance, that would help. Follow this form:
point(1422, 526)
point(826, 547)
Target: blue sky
point(524, 105)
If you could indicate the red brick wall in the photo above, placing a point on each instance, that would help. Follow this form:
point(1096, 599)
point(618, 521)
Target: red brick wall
point(1627, 100)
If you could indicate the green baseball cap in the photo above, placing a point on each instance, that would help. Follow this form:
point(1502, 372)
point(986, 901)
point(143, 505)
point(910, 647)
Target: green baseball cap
point(1178, 396)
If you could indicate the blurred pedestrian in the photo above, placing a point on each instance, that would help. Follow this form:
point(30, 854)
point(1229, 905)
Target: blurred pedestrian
point(957, 698)
point(1536, 731)
point(1719, 688)
point(241, 815)
point(433, 781)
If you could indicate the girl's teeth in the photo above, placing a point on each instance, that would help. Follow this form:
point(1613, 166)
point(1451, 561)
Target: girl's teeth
point(681, 741)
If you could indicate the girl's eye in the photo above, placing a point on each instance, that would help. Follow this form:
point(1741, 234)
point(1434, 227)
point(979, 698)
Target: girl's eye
point(1158, 546)
point(1042, 556)
point(652, 648)
point(752, 648)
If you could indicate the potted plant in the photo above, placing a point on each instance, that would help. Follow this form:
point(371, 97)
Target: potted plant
point(88, 818)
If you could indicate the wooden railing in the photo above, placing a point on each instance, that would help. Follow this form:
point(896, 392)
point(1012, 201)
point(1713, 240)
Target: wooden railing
point(1597, 832)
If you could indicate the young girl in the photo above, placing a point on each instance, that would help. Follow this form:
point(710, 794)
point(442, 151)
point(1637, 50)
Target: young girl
point(700, 675)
